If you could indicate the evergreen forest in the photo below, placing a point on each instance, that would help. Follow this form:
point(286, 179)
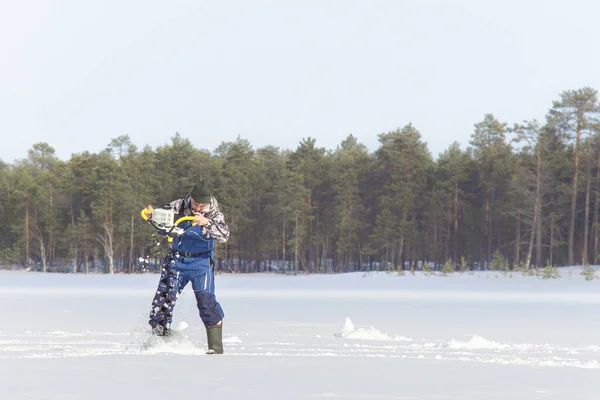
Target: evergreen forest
point(520, 195)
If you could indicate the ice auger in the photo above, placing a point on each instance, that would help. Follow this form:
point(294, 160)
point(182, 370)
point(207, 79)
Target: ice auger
point(163, 220)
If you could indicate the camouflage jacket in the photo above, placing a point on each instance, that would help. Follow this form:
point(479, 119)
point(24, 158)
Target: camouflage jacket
point(216, 227)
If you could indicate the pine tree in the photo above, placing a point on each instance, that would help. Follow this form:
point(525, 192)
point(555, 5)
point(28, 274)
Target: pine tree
point(495, 167)
point(572, 116)
point(403, 167)
point(533, 180)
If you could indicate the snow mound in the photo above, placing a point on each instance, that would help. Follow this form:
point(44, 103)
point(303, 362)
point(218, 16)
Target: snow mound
point(59, 333)
point(348, 331)
point(233, 339)
point(476, 343)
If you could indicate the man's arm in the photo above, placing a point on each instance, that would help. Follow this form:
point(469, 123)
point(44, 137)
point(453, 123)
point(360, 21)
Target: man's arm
point(217, 228)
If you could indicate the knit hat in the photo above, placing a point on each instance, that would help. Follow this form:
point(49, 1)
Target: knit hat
point(202, 192)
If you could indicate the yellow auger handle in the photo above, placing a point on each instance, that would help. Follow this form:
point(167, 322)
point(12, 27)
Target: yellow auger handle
point(182, 219)
point(144, 211)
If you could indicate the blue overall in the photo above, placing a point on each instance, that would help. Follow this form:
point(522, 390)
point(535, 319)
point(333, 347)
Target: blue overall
point(178, 270)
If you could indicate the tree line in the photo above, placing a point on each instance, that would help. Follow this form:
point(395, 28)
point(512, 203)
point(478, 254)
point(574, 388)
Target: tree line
point(522, 196)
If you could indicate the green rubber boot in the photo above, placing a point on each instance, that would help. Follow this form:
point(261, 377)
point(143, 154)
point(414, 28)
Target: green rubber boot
point(214, 336)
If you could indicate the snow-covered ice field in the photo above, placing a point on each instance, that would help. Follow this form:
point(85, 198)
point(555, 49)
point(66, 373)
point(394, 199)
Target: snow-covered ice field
point(351, 336)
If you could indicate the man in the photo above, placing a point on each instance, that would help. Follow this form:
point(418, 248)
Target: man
point(191, 259)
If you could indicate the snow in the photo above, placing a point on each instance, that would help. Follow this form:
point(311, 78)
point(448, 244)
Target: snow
point(486, 335)
point(476, 343)
point(370, 333)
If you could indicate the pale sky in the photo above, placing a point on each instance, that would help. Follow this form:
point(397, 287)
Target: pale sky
point(76, 74)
